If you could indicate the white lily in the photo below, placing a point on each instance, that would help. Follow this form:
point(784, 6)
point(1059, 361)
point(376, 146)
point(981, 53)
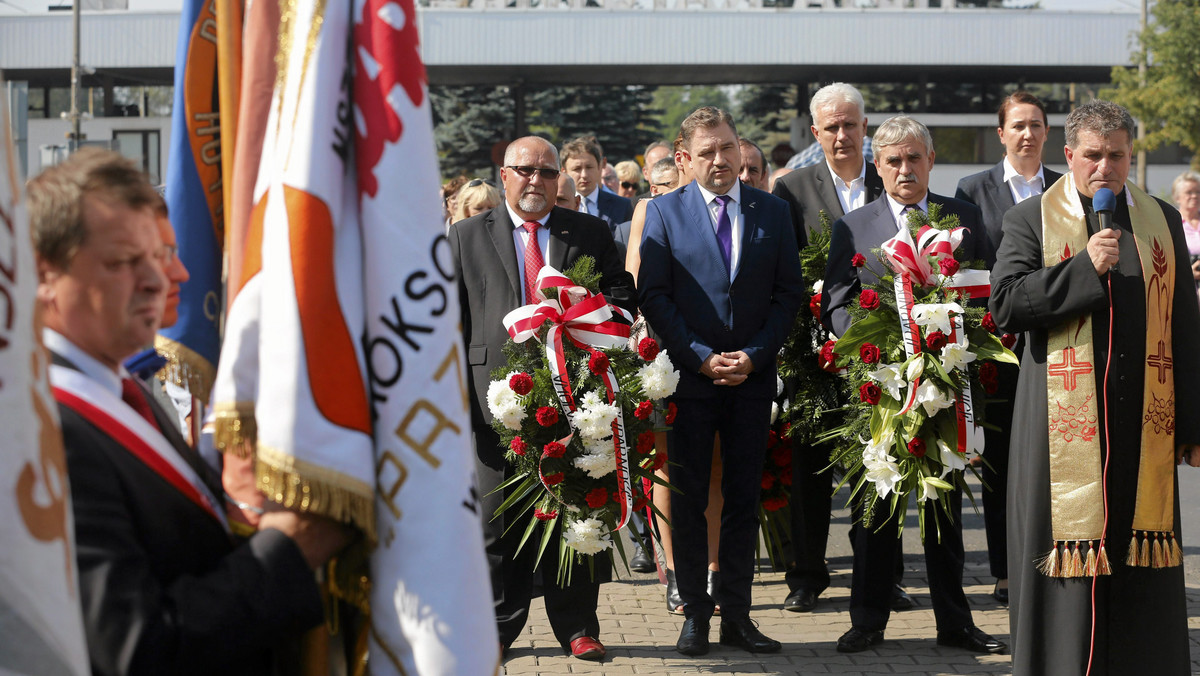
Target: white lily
point(878, 449)
point(915, 368)
point(931, 397)
point(889, 379)
point(951, 460)
point(956, 356)
point(936, 315)
point(928, 491)
point(884, 473)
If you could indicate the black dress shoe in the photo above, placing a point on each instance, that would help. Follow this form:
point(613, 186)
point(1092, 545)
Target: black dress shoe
point(742, 632)
point(900, 599)
point(641, 561)
point(801, 601)
point(1000, 593)
point(693, 639)
point(857, 640)
point(973, 639)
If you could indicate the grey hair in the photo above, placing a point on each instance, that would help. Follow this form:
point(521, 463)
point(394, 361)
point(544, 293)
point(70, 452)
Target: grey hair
point(1102, 118)
point(897, 130)
point(1187, 176)
point(831, 95)
point(661, 167)
point(510, 153)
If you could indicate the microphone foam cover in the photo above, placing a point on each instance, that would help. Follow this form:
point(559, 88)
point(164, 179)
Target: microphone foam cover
point(1104, 200)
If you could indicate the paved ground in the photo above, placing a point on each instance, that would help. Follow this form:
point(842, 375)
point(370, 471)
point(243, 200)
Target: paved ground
point(641, 635)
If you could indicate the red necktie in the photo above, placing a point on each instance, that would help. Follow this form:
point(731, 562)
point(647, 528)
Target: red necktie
point(136, 398)
point(533, 261)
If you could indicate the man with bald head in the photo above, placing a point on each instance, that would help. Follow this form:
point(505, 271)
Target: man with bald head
point(497, 255)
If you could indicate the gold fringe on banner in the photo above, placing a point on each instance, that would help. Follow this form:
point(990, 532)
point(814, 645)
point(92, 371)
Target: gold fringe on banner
point(1154, 549)
point(234, 428)
point(307, 487)
point(1072, 561)
point(185, 368)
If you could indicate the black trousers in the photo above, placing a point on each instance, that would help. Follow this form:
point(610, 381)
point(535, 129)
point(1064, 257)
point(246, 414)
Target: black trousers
point(995, 471)
point(742, 424)
point(874, 559)
point(571, 609)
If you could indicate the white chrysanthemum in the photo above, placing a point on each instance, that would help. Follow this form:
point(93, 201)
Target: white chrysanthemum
point(595, 418)
point(505, 405)
point(950, 459)
point(888, 376)
point(597, 465)
point(587, 536)
point(659, 377)
point(931, 397)
point(818, 286)
point(591, 399)
point(956, 356)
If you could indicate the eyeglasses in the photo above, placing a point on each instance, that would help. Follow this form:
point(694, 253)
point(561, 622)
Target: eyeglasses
point(481, 181)
point(545, 173)
point(628, 186)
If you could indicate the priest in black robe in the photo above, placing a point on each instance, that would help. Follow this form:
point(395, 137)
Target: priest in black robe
point(1139, 610)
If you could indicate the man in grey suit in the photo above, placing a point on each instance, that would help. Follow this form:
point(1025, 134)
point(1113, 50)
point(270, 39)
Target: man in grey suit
point(837, 186)
point(1019, 176)
point(903, 156)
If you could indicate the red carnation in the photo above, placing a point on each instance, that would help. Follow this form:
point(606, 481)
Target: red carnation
point(774, 504)
point(868, 353)
point(772, 439)
point(672, 410)
point(643, 410)
point(598, 363)
point(544, 516)
point(858, 260)
point(988, 323)
point(596, 497)
point(553, 450)
point(639, 503)
point(988, 372)
point(1008, 340)
point(648, 349)
point(554, 479)
point(660, 459)
point(782, 456)
point(645, 442)
point(547, 416)
point(521, 383)
point(785, 477)
point(869, 393)
point(767, 481)
point(948, 266)
point(991, 387)
point(518, 446)
point(828, 356)
point(936, 340)
point(814, 305)
point(868, 299)
point(917, 447)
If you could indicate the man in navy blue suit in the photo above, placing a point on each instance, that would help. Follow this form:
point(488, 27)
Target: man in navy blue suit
point(720, 283)
point(583, 160)
point(903, 156)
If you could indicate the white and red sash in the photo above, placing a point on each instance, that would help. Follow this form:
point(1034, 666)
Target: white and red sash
point(114, 417)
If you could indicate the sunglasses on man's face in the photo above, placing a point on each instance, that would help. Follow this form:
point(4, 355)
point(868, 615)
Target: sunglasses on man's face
point(628, 186)
point(528, 172)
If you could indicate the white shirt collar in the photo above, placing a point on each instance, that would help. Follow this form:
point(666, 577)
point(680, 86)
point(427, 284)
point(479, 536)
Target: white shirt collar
point(897, 207)
point(735, 193)
point(1010, 172)
point(862, 174)
point(519, 222)
point(88, 365)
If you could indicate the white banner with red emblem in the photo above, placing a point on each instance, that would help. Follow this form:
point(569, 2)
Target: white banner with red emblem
point(41, 628)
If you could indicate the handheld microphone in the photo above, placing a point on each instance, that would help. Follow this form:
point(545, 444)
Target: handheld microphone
point(1104, 202)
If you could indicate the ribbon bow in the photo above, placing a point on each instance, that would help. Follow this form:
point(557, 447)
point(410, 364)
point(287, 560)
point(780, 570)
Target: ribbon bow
point(919, 261)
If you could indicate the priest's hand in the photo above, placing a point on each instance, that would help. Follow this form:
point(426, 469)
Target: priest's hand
point(1189, 453)
point(1102, 249)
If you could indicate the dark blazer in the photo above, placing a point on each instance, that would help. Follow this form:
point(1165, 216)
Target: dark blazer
point(866, 229)
point(489, 283)
point(614, 209)
point(694, 306)
point(163, 588)
point(809, 190)
point(991, 194)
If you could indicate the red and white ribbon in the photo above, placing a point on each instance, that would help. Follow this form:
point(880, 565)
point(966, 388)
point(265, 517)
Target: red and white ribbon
point(586, 320)
point(964, 407)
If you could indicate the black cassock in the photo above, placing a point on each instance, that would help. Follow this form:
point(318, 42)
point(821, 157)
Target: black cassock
point(1140, 613)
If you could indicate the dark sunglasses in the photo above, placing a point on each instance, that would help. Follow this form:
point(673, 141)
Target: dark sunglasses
point(527, 172)
point(628, 186)
point(480, 181)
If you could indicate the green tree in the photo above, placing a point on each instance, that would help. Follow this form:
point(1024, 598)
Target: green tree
point(468, 121)
point(764, 113)
point(676, 103)
point(622, 118)
point(1169, 101)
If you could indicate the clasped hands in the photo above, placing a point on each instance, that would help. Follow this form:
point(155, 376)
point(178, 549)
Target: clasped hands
point(727, 368)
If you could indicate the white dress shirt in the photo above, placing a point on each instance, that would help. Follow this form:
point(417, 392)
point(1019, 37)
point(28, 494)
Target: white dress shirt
point(88, 365)
point(898, 208)
point(588, 204)
point(521, 237)
point(852, 195)
point(734, 211)
point(1021, 188)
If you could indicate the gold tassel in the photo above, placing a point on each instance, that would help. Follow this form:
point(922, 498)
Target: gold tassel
point(1144, 551)
point(185, 368)
point(1176, 551)
point(1102, 566)
point(1048, 566)
point(234, 428)
point(1160, 558)
point(1090, 564)
point(1076, 562)
point(1132, 559)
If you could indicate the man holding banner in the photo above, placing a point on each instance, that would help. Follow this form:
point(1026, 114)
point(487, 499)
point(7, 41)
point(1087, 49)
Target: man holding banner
point(497, 256)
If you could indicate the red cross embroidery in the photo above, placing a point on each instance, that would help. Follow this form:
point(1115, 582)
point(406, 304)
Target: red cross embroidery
point(1161, 361)
point(1069, 369)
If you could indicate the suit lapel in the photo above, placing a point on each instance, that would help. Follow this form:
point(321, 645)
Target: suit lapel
point(500, 229)
point(874, 183)
point(1000, 191)
point(749, 208)
point(827, 192)
point(698, 212)
point(561, 234)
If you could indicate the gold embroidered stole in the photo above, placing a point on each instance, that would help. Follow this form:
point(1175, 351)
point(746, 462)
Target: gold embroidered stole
point(1076, 481)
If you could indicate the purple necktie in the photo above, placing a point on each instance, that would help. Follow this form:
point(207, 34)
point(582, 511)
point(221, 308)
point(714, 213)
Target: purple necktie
point(724, 230)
